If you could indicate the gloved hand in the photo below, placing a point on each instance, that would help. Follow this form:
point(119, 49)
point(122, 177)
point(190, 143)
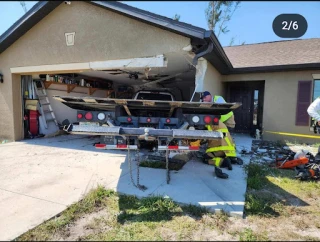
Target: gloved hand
point(195, 143)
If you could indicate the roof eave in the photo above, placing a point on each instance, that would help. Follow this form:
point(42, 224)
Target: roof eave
point(26, 22)
point(277, 68)
point(217, 57)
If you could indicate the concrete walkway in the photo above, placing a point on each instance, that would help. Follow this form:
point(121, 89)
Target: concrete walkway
point(39, 178)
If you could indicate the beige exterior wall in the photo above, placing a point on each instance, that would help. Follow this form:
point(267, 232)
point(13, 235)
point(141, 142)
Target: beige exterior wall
point(280, 100)
point(6, 107)
point(212, 81)
point(100, 35)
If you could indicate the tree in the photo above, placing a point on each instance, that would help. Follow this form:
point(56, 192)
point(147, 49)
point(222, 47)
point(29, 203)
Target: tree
point(23, 5)
point(176, 17)
point(232, 41)
point(218, 14)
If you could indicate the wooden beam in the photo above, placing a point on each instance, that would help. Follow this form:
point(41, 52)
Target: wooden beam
point(171, 111)
point(127, 110)
point(109, 92)
point(92, 90)
point(70, 87)
point(47, 84)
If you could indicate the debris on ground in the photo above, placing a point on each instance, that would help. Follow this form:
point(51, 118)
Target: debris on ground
point(275, 155)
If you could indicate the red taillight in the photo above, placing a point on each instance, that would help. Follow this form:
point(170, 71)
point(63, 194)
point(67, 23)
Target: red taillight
point(216, 120)
point(88, 116)
point(168, 120)
point(129, 119)
point(148, 120)
point(80, 115)
point(207, 119)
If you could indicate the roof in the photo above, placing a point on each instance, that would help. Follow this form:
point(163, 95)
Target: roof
point(290, 52)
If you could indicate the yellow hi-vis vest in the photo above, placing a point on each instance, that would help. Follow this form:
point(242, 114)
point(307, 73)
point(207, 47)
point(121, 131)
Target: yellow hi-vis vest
point(225, 117)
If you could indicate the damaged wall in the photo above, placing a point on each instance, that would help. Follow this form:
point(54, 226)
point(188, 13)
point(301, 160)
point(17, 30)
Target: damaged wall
point(208, 78)
point(99, 35)
point(280, 101)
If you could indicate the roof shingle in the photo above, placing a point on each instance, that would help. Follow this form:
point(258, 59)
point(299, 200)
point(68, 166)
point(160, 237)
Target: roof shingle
point(300, 51)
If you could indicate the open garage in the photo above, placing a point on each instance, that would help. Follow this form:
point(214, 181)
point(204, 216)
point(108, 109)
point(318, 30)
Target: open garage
point(99, 50)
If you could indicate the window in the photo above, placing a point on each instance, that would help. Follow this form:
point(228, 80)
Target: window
point(255, 107)
point(303, 102)
point(316, 89)
point(315, 94)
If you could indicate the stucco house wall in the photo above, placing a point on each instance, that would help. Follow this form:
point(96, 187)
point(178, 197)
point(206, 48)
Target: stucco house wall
point(280, 101)
point(213, 81)
point(100, 35)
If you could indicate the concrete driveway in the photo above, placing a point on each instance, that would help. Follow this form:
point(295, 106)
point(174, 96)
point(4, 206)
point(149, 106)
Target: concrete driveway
point(39, 178)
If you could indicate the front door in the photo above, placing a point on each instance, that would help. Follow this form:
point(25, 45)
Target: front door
point(248, 117)
point(242, 115)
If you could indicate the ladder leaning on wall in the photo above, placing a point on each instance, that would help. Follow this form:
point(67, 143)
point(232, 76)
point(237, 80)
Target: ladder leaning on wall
point(46, 110)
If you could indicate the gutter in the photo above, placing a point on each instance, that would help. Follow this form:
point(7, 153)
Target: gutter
point(213, 45)
point(219, 50)
point(208, 49)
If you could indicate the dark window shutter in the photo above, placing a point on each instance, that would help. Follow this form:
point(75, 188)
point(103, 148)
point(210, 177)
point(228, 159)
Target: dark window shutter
point(303, 102)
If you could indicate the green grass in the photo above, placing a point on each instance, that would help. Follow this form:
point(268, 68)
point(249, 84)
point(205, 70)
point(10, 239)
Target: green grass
point(130, 218)
point(195, 211)
point(94, 200)
point(262, 204)
point(249, 235)
point(256, 175)
point(153, 209)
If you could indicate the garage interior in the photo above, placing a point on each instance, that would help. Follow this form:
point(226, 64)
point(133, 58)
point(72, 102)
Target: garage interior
point(44, 116)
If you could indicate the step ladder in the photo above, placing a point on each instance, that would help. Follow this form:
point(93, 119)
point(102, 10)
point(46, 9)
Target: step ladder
point(46, 110)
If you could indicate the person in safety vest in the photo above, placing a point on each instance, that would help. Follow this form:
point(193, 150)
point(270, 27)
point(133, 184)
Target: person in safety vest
point(227, 119)
point(220, 153)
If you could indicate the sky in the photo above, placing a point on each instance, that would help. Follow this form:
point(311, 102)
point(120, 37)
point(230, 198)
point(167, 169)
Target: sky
point(251, 23)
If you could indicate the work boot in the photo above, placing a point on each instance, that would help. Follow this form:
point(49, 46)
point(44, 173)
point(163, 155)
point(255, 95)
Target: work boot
point(220, 174)
point(206, 158)
point(236, 160)
point(226, 163)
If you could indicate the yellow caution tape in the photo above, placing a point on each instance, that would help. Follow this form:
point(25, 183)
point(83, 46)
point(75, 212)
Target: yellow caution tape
point(291, 134)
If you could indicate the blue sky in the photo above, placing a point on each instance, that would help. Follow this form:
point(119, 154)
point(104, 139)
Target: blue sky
point(251, 23)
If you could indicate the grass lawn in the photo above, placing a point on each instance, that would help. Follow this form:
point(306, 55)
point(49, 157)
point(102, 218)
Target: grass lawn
point(278, 207)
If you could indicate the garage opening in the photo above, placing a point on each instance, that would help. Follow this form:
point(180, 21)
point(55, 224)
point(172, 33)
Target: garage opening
point(44, 116)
